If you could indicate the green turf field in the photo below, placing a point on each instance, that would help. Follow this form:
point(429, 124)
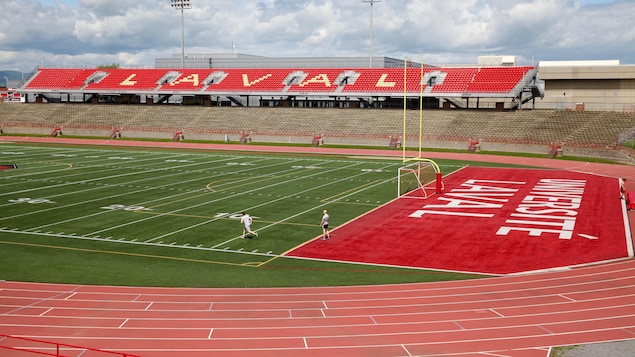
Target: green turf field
point(119, 216)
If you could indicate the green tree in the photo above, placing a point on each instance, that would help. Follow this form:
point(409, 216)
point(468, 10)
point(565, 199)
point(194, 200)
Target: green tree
point(112, 65)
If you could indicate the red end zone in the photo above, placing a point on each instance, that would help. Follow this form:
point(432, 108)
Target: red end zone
point(492, 221)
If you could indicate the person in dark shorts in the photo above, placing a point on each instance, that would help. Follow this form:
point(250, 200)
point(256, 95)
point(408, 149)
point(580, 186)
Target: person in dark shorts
point(325, 226)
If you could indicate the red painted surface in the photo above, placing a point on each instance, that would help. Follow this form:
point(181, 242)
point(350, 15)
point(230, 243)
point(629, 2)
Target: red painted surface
point(489, 220)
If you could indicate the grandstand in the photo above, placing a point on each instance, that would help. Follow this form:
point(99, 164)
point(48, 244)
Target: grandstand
point(356, 106)
point(322, 87)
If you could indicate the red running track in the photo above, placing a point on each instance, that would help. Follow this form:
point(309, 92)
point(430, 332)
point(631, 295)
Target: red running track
point(505, 316)
point(518, 315)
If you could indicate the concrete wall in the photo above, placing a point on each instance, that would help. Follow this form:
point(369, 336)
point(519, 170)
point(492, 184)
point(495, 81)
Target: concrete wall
point(599, 88)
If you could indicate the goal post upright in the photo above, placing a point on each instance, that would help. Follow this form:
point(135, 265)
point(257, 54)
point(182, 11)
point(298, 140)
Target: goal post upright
point(404, 145)
point(421, 110)
point(405, 108)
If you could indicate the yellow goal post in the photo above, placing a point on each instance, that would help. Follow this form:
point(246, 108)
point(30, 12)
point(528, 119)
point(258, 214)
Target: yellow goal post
point(404, 142)
point(421, 175)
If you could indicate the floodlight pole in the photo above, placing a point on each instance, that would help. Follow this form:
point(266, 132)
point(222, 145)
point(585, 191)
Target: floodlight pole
point(182, 5)
point(371, 2)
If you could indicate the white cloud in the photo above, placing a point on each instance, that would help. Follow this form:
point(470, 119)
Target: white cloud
point(134, 33)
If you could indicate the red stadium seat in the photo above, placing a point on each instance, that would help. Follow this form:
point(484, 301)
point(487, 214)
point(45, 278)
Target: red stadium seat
point(186, 80)
point(379, 81)
point(57, 79)
point(128, 79)
point(497, 79)
point(248, 80)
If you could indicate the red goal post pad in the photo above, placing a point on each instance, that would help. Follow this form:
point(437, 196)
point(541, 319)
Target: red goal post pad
point(630, 200)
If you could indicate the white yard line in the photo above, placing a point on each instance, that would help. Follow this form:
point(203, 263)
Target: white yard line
point(86, 165)
point(94, 179)
point(94, 235)
point(108, 187)
point(240, 194)
point(162, 198)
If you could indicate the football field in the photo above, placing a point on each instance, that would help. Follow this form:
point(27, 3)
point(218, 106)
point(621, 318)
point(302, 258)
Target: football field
point(186, 200)
point(68, 208)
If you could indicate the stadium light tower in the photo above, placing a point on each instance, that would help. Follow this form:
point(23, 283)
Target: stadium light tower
point(182, 5)
point(371, 2)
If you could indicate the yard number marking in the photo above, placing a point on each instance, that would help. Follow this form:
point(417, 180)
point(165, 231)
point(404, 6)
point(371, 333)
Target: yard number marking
point(126, 208)
point(32, 201)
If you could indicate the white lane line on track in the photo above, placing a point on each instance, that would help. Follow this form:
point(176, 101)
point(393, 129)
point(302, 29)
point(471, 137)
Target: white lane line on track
point(406, 349)
point(46, 312)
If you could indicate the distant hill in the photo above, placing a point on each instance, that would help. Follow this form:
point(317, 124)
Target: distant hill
point(10, 75)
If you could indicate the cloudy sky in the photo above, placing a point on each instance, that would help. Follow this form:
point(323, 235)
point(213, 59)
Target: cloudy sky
point(132, 33)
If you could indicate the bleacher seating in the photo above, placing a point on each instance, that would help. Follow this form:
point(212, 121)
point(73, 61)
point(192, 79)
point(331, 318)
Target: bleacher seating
point(457, 80)
point(248, 80)
point(317, 80)
point(57, 79)
point(497, 79)
point(379, 81)
point(187, 80)
point(581, 129)
point(128, 79)
point(573, 129)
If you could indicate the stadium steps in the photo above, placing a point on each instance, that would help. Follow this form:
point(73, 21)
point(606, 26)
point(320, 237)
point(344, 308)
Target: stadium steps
point(580, 129)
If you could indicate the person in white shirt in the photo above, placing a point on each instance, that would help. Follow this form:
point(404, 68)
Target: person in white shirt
point(325, 226)
point(246, 220)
